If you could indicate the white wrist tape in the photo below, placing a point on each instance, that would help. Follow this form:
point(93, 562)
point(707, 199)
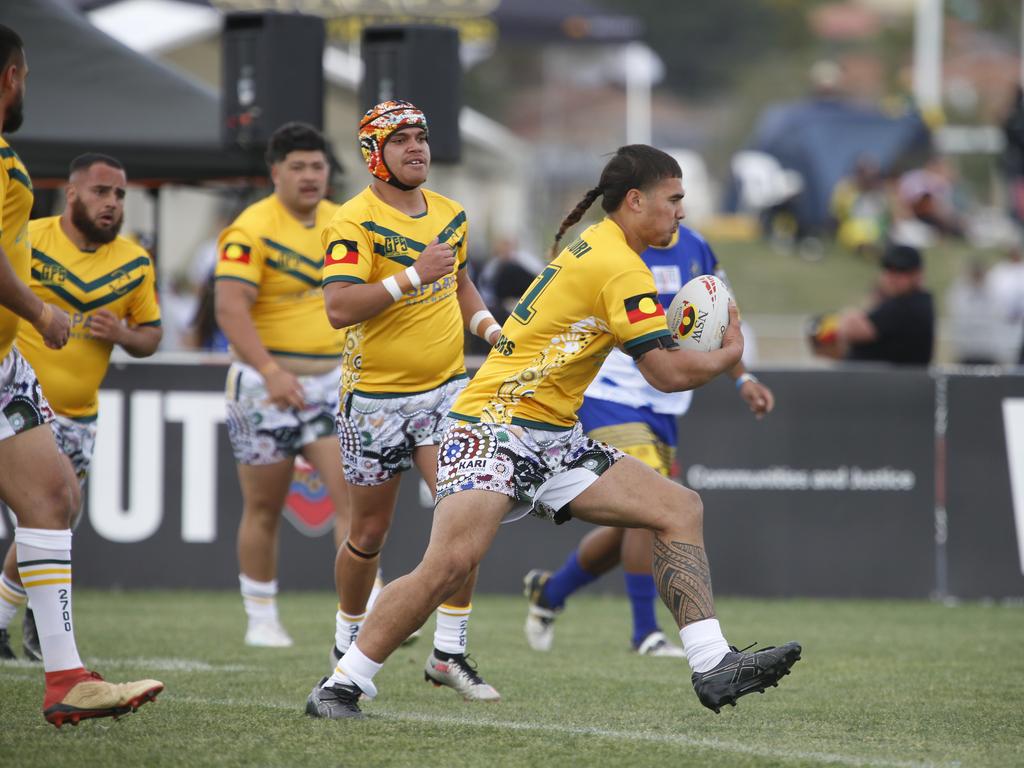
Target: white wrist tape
point(414, 277)
point(477, 318)
point(489, 330)
point(391, 284)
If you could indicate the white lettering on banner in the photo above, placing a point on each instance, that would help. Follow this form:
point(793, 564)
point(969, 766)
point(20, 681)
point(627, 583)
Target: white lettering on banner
point(199, 413)
point(841, 478)
point(109, 516)
point(1013, 426)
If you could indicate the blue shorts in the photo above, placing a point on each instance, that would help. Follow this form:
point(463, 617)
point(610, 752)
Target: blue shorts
point(639, 432)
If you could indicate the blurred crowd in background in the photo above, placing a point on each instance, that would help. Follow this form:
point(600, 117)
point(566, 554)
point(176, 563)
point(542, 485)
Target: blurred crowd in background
point(806, 147)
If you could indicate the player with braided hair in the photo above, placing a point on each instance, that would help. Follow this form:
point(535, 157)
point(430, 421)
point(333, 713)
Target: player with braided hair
point(514, 445)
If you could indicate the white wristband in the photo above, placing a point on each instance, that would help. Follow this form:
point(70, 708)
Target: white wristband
point(744, 378)
point(490, 329)
point(414, 277)
point(477, 318)
point(391, 284)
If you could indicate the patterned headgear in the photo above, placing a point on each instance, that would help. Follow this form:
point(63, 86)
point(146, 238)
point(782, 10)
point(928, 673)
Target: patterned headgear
point(378, 125)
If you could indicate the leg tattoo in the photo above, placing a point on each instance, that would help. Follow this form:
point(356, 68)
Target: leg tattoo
point(684, 580)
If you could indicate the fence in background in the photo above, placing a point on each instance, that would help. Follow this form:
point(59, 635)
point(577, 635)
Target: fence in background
point(862, 483)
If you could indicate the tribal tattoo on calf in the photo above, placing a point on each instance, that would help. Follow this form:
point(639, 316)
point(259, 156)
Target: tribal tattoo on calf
point(684, 580)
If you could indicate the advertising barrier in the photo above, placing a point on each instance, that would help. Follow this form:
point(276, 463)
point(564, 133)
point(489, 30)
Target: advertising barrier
point(858, 485)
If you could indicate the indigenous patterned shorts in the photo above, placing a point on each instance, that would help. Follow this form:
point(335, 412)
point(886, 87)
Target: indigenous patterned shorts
point(22, 403)
point(262, 433)
point(543, 470)
point(378, 434)
point(76, 440)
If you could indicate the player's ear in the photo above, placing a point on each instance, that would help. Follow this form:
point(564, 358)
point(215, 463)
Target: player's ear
point(634, 199)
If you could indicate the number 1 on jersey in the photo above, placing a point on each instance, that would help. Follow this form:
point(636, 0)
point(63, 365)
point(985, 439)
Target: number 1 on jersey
point(524, 310)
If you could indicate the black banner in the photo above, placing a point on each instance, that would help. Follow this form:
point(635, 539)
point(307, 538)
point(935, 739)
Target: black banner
point(985, 512)
point(831, 495)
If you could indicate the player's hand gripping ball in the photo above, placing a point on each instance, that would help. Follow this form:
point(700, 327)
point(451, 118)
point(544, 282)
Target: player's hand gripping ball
point(699, 314)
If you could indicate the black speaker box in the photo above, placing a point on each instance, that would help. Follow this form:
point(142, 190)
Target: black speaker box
point(417, 63)
point(273, 73)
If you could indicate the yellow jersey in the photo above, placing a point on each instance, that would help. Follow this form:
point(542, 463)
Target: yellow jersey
point(415, 344)
point(118, 277)
point(597, 293)
point(15, 206)
point(270, 249)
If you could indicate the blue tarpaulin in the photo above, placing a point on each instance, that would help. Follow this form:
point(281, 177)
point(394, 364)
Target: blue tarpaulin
point(822, 138)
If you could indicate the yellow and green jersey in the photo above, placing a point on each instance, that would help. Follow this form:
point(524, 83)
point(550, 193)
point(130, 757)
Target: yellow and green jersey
point(15, 206)
point(416, 343)
point(270, 249)
point(117, 277)
point(596, 294)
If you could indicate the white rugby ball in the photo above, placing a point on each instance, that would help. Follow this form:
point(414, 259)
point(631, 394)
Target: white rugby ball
point(699, 314)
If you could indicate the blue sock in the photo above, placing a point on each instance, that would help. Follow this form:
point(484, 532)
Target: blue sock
point(565, 581)
point(642, 593)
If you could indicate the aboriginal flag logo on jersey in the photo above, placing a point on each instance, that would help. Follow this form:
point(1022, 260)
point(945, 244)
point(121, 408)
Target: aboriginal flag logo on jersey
point(341, 252)
point(236, 253)
point(642, 307)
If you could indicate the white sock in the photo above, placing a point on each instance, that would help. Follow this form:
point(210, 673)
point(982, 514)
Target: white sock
point(259, 598)
point(703, 644)
point(356, 667)
point(12, 597)
point(451, 628)
point(44, 564)
point(378, 585)
point(346, 629)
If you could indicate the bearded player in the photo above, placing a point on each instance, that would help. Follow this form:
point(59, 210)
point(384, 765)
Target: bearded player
point(106, 284)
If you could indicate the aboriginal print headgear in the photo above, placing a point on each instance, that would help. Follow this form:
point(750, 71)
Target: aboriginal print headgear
point(377, 126)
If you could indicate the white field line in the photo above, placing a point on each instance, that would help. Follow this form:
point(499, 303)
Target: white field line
point(150, 664)
point(605, 733)
point(167, 665)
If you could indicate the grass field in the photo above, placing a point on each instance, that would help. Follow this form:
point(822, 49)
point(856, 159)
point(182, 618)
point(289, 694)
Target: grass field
point(881, 683)
point(769, 281)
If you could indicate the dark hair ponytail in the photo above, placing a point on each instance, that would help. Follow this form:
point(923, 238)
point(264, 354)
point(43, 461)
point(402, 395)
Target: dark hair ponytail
point(575, 215)
point(635, 166)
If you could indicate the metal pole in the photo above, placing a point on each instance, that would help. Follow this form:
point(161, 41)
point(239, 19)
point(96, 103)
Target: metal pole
point(928, 58)
point(638, 94)
point(941, 517)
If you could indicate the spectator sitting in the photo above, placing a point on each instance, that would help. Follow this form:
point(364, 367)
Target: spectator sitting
point(861, 208)
point(899, 328)
point(926, 194)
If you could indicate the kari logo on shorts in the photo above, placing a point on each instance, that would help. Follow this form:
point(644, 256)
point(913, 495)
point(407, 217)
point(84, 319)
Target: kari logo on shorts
point(236, 253)
point(308, 506)
point(642, 307)
point(341, 252)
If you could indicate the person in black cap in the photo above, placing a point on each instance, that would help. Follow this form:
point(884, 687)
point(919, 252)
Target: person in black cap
point(898, 329)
